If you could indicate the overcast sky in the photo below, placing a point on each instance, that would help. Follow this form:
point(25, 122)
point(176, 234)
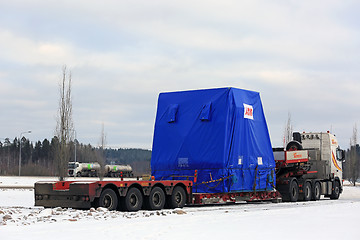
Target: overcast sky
point(302, 56)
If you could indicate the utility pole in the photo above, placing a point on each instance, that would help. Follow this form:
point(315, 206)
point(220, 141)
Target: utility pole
point(20, 151)
point(75, 143)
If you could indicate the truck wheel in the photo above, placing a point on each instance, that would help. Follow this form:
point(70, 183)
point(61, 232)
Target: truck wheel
point(78, 174)
point(307, 191)
point(133, 200)
point(177, 198)
point(293, 191)
point(156, 199)
point(336, 191)
point(108, 199)
point(316, 191)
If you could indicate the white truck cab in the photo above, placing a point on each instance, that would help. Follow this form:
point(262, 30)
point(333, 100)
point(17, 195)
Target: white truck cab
point(326, 159)
point(329, 150)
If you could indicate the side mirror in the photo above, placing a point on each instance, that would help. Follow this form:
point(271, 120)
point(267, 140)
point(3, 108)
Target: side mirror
point(340, 154)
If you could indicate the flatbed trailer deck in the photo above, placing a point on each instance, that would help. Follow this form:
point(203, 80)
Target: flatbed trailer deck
point(133, 195)
point(122, 194)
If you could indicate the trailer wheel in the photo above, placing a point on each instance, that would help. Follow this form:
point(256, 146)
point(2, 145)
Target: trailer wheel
point(335, 194)
point(108, 199)
point(307, 191)
point(133, 200)
point(316, 191)
point(177, 198)
point(293, 191)
point(156, 199)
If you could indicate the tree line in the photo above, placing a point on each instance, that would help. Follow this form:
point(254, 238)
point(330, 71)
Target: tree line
point(351, 166)
point(39, 158)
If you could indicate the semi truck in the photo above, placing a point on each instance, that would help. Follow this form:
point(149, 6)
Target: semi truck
point(77, 169)
point(212, 146)
point(309, 167)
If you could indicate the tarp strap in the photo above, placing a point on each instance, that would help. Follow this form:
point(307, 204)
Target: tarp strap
point(213, 181)
point(254, 186)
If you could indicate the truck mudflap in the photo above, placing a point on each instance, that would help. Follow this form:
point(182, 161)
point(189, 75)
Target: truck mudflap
point(68, 194)
point(213, 198)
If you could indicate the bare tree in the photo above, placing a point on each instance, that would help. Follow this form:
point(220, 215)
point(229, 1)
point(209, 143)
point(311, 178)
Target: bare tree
point(288, 130)
point(101, 153)
point(354, 160)
point(64, 128)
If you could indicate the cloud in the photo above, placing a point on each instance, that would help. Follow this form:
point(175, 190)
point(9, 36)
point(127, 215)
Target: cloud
point(302, 57)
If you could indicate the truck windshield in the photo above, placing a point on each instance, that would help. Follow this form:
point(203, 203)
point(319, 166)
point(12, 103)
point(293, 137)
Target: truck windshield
point(71, 166)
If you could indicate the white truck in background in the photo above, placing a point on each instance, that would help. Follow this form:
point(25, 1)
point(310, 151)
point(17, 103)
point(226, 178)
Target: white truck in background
point(77, 169)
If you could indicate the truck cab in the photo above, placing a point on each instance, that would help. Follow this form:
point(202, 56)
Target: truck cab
point(325, 158)
point(324, 147)
point(317, 172)
point(73, 169)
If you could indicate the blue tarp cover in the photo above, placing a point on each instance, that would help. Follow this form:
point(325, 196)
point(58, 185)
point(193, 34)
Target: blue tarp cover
point(221, 133)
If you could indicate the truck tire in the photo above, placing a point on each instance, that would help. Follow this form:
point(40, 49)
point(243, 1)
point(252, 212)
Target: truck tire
point(335, 194)
point(108, 199)
point(293, 191)
point(156, 199)
point(307, 191)
point(316, 191)
point(177, 198)
point(133, 200)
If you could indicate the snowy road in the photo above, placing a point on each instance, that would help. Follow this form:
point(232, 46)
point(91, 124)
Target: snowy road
point(324, 219)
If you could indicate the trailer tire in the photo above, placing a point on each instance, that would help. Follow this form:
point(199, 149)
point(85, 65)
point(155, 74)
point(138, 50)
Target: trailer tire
point(108, 199)
point(156, 199)
point(335, 194)
point(307, 191)
point(178, 198)
point(133, 200)
point(293, 191)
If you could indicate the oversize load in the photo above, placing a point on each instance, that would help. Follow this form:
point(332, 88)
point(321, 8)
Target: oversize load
point(221, 133)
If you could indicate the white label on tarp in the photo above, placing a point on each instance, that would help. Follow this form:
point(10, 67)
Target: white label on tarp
point(183, 162)
point(260, 161)
point(240, 160)
point(248, 111)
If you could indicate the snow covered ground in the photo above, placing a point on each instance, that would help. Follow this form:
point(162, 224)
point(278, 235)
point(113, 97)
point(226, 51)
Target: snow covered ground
point(324, 219)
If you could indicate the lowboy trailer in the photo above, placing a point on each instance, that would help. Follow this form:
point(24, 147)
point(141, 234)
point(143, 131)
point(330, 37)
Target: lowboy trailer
point(114, 195)
point(212, 146)
point(135, 195)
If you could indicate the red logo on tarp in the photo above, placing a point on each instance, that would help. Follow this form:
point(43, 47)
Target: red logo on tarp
point(248, 111)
